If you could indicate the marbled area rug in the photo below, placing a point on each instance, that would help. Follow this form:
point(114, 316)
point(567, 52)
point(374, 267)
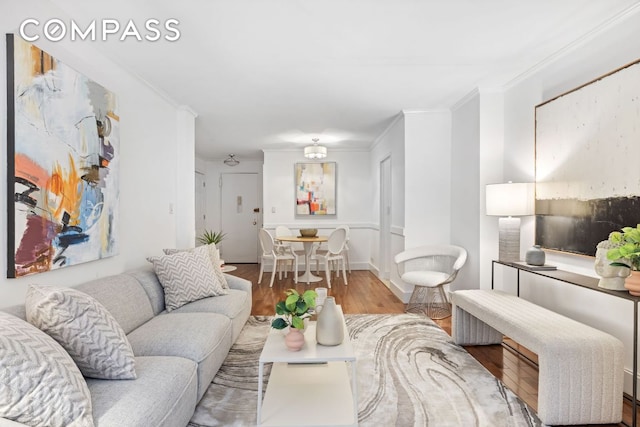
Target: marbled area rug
point(410, 373)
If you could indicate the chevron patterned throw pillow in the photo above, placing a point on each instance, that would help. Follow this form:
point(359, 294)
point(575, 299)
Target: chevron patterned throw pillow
point(214, 256)
point(90, 334)
point(186, 276)
point(39, 383)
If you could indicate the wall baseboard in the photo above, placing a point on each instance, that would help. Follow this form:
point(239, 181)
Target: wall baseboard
point(391, 285)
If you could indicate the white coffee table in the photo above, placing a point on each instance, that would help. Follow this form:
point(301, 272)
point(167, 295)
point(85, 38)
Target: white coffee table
point(308, 387)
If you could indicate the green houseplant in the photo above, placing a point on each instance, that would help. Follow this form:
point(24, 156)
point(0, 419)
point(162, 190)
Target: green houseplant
point(294, 309)
point(627, 254)
point(292, 312)
point(210, 236)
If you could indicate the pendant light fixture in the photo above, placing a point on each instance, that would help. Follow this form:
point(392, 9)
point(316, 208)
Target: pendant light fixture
point(315, 151)
point(231, 160)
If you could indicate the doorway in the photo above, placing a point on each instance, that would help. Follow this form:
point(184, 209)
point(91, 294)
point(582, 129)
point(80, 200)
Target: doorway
point(385, 218)
point(239, 217)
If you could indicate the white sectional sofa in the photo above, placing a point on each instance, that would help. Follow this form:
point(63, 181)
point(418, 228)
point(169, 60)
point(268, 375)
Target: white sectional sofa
point(177, 353)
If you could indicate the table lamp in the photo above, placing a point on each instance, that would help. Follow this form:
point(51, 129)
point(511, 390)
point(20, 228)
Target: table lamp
point(510, 201)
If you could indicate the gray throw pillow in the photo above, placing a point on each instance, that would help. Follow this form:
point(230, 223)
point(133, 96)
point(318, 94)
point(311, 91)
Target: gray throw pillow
point(186, 277)
point(79, 323)
point(39, 383)
point(214, 256)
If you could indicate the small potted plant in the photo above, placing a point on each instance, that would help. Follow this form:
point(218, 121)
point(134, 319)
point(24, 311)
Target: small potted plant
point(627, 254)
point(210, 236)
point(292, 313)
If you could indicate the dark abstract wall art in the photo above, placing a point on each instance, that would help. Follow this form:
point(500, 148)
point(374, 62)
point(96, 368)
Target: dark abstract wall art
point(62, 164)
point(587, 151)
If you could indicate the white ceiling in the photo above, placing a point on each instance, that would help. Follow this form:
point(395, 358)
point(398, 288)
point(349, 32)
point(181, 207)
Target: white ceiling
point(272, 74)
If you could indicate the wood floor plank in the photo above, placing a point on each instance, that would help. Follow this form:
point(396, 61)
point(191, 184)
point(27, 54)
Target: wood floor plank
point(366, 294)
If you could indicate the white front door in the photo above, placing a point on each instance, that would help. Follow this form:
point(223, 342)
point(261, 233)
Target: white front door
point(239, 217)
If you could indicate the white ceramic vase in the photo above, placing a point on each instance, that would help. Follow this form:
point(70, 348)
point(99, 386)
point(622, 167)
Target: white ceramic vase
point(611, 277)
point(329, 327)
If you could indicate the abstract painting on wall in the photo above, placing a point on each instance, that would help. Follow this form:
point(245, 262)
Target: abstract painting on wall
point(587, 151)
point(315, 188)
point(62, 164)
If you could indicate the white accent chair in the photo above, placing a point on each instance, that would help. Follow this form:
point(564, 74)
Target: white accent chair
point(334, 253)
point(279, 258)
point(428, 269)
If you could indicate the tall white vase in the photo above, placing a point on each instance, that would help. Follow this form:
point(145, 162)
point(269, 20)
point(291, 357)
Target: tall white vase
point(329, 327)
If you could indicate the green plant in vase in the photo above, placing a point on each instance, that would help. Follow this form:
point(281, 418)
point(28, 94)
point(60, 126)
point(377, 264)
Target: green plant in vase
point(294, 309)
point(626, 253)
point(210, 236)
point(292, 312)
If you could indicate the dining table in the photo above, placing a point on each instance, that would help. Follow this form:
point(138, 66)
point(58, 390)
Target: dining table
point(307, 242)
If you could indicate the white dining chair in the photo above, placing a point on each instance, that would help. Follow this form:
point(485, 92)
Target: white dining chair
point(428, 269)
point(345, 251)
point(334, 253)
point(280, 259)
point(283, 231)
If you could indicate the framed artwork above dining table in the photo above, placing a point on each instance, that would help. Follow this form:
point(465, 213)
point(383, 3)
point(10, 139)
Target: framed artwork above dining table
point(315, 188)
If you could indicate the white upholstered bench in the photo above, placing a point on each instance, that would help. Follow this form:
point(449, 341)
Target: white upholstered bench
point(580, 378)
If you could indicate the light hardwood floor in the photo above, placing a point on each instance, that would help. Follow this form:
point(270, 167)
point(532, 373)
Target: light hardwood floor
point(366, 294)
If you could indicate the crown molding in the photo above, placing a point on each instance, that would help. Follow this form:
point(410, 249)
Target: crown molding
point(386, 130)
point(429, 111)
point(581, 41)
point(189, 110)
point(468, 97)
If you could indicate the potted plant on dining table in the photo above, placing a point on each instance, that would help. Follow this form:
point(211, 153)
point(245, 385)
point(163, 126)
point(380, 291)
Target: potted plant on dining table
point(627, 254)
point(292, 313)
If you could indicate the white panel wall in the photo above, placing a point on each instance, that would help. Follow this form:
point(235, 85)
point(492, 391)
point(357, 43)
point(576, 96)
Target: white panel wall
point(148, 168)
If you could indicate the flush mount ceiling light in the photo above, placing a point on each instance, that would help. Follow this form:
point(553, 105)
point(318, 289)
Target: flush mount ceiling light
point(315, 151)
point(231, 160)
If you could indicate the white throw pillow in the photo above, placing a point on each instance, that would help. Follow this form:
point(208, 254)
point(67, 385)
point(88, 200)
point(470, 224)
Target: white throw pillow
point(39, 383)
point(90, 334)
point(186, 277)
point(214, 256)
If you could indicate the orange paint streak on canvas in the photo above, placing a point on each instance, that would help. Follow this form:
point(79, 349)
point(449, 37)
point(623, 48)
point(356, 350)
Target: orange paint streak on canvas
point(30, 170)
point(113, 115)
point(68, 188)
point(41, 62)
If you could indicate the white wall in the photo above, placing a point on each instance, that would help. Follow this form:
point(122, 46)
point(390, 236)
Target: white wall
point(465, 192)
point(602, 52)
point(353, 204)
point(427, 210)
point(148, 175)
point(185, 203)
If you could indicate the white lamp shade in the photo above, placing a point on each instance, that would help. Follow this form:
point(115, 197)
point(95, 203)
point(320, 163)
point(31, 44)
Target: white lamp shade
point(315, 151)
point(511, 199)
